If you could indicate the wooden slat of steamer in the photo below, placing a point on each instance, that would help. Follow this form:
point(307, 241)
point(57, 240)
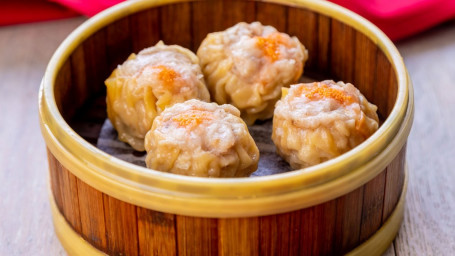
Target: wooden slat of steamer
point(175, 21)
point(63, 92)
point(92, 215)
point(207, 17)
point(239, 11)
point(373, 203)
point(238, 236)
point(196, 236)
point(348, 220)
point(365, 66)
point(54, 179)
point(280, 234)
point(156, 232)
point(70, 201)
point(84, 90)
point(317, 227)
point(118, 43)
point(303, 24)
point(272, 14)
point(394, 183)
point(274, 234)
point(324, 50)
point(393, 90)
point(342, 51)
point(145, 29)
point(383, 71)
point(121, 227)
point(95, 58)
point(294, 232)
point(211, 16)
point(78, 76)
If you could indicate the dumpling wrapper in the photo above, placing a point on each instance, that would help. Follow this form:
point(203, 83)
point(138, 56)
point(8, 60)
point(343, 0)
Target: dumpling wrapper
point(201, 139)
point(315, 122)
point(146, 83)
point(248, 64)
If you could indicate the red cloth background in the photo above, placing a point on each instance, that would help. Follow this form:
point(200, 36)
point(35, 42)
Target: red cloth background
point(401, 18)
point(23, 11)
point(397, 18)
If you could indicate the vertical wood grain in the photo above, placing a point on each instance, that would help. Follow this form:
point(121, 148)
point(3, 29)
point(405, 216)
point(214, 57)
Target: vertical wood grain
point(207, 17)
point(383, 71)
point(348, 220)
point(156, 232)
point(121, 227)
point(175, 21)
point(96, 62)
point(303, 24)
point(239, 11)
point(323, 49)
point(373, 203)
point(294, 232)
point(54, 172)
point(365, 66)
point(81, 91)
point(394, 183)
point(219, 19)
point(272, 14)
point(342, 51)
point(317, 229)
point(196, 236)
point(118, 43)
point(238, 236)
point(91, 207)
point(63, 91)
point(392, 91)
point(70, 202)
point(145, 29)
point(274, 234)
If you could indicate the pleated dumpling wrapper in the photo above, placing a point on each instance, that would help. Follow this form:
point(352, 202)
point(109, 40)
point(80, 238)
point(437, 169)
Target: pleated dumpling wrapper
point(201, 139)
point(315, 122)
point(146, 83)
point(248, 64)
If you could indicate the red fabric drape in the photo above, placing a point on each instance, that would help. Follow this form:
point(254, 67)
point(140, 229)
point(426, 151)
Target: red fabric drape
point(397, 18)
point(23, 11)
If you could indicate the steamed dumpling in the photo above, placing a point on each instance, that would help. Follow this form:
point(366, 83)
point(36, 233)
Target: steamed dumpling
point(202, 139)
point(248, 64)
point(318, 121)
point(146, 83)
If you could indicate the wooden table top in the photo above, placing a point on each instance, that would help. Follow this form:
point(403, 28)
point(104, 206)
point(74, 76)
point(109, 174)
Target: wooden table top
point(26, 224)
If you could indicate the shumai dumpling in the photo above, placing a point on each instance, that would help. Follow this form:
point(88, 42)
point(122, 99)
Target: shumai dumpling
point(248, 64)
point(202, 139)
point(146, 83)
point(315, 122)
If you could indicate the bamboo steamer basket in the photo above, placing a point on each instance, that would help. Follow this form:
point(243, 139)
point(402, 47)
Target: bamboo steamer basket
point(102, 205)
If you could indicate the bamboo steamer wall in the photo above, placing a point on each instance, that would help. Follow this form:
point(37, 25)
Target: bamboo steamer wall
point(115, 227)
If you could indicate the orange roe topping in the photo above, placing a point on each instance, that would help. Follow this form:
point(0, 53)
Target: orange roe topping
point(167, 75)
point(270, 45)
point(192, 118)
point(328, 92)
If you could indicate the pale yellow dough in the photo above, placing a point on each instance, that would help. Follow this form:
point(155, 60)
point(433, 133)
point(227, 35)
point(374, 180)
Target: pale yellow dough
point(202, 139)
point(146, 83)
point(248, 64)
point(318, 121)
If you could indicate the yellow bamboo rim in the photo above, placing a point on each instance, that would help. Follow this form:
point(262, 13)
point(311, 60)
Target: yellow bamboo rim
point(377, 244)
point(231, 197)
